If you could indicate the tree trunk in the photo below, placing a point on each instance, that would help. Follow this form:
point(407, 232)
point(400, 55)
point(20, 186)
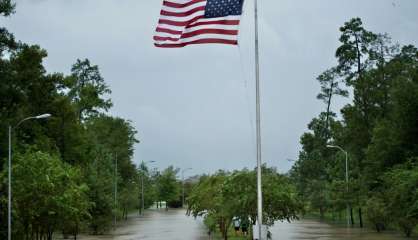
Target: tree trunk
point(76, 231)
point(321, 213)
point(328, 110)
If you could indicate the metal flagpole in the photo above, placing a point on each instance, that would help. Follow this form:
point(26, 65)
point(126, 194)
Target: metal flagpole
point(258, 127)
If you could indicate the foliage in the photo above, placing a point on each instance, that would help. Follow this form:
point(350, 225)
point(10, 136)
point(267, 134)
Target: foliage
point(222, 196)
point(48, 195)
point(378, 130)
point(86, 87)
point(71, 155)
point(6, 7)
point(377, 214)
point(168, 187)
point(402, 196)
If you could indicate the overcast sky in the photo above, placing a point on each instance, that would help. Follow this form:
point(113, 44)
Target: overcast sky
point(194, 107)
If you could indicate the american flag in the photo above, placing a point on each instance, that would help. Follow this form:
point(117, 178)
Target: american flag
point(184, 22)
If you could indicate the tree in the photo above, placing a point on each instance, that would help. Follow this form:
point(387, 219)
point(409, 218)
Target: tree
point(168, 186)
point(77, 145)
point(353, 54)
point(87, 89)
point(149, 191)
point(48, 195)
point(206, 200)
point(329, 87)
point(7, 41)
point(378, 130)
point(222, 196)
point(360, 52)
point(403, 207)
point(99, 175)
point(6, 7)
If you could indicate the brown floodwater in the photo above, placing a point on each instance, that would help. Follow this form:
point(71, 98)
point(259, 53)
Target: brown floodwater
point(307, 229)
point(157, 225)
point(175, 225)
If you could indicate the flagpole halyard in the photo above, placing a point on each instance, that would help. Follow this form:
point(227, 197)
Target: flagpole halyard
point(258, 124)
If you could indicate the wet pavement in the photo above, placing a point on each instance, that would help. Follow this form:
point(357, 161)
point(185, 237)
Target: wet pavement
point(175, 225)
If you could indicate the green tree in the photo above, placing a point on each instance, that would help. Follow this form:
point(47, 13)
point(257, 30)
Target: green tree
point(222, 196)
point(168, 186)
point(206, 200)
point(329, 88)
point(99, 176)
point(402, 196)
point(48, 195)
point(87, 89)
point(7, 41)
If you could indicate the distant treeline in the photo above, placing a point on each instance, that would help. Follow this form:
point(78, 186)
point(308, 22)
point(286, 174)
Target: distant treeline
point(378, 130)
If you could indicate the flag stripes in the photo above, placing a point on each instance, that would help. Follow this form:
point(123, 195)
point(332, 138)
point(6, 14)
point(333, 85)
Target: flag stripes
point(183, 22)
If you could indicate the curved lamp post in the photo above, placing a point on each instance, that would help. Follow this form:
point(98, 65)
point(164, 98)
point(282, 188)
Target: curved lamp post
point(9, 202)
point(346, 177)
point(182, 177)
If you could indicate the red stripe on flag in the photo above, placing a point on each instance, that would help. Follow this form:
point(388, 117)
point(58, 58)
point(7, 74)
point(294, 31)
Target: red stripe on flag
point(182, 14)
point(171, 31)
point(209, 31)
point(198, 32)
point(200, 41)
point(220, 22)
point(179, 24)
point(181, 5)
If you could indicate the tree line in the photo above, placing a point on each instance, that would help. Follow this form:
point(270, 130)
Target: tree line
point(378, 130)
point(66, 169)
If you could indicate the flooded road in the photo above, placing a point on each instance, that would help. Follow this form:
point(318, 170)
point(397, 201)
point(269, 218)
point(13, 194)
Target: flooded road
point(314, 230)
point(175, 225)
point(157, 225)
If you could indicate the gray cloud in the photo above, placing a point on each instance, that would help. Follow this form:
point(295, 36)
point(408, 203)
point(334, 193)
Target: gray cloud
point(194, 107)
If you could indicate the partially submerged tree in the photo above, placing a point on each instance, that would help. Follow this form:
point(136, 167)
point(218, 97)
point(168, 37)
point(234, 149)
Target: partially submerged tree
point(223, 196)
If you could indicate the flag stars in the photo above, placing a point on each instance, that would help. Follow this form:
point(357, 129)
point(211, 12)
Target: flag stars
point(223, 8)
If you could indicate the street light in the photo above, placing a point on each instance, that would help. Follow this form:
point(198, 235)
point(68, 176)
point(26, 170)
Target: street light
point(116, 190)
point(9, 203)
point(182, 177)
point(142, 187)
point(346, 177)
